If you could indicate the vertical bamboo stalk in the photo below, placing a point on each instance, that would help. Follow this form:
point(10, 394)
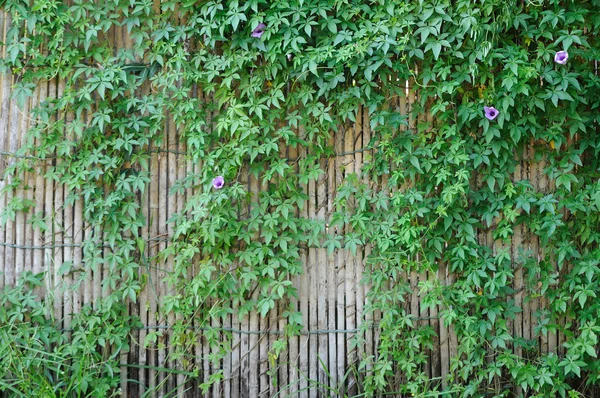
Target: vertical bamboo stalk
point(444, 338)
point(359, 145)
point(312, 300)
point(331, 271)
point(143, 296)
point(172, 176)
point(193, 167)
point(452, 336)
point(3, 263)
point(276, 324)
point(244, 373)
point(54, 256)
point(425, 319)
point(263, 347)
point(164, 340)
point(73, 224)
point(435, 325)
point(340, 265)
point(82, 295)
point(301, 362)
point(66, 225)
point(414, 298)
point(527, 305)
point(30, 179)
point(433, 311)
point(153, 285)
point(321, 276)
point(118, 45)
point(283, 361)
point(253, 380)
point(183, 166)
point(414, 277)
point(253, 383)
point(123, 374)
point(293, 348)
point(62, 303)
point(556, 339)
point(279, 377)
point(232, 370)
point(2, 233)
point(539, 303)
point(156, 209)
point(263, 360)
point(5, 80)
point(271, 376)
point(227, 360)
point(99, 269)
point(517, 243)
point(369, 347)
point(206, 348)
point(47, 198)
point(217, 387)
point(199, 359)
point(6, 253)
point(14, 229)
point(350, 267)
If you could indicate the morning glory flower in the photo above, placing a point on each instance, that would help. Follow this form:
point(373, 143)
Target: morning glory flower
point(218, 182)
point(490, 112)
point(561, 57)
point(258, 32)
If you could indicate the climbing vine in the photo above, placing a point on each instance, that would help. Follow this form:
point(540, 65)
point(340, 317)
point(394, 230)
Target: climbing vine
point(509, 86)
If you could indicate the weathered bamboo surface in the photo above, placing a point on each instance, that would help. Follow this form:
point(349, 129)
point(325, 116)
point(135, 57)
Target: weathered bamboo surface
point(331, 297)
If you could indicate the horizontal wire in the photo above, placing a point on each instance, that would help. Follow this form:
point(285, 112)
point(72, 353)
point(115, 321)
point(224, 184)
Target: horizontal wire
point(173, 151)
point(57, 245)
point(268, 332)
point(19, 156)
point(15, 155)
point(257, 332)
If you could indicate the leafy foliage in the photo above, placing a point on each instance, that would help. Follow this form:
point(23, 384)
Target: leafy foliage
point(451, 191)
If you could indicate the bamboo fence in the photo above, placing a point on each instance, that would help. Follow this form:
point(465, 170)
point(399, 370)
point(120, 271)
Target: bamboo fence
point(331, 298)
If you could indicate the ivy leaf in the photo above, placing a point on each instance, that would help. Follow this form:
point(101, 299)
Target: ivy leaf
point(22, 91)
point(333, 243)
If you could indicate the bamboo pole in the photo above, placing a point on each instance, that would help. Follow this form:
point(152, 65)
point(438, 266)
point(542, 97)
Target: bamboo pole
point(13, 231)
point(183, 166)
point(369, 347)
point(163, 341)
point(341, 264)
point(253, 382)
point(321, 276)
point(171, 199)
point(312, 268)
point(331, 271)
point(38, 198)
point(233, 373)
point(153, 286)
point(5, 81)
point(300, 369)
point(294, 341)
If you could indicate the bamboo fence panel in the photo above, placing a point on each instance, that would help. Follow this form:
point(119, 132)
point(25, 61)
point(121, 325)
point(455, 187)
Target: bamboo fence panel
point(331, 297)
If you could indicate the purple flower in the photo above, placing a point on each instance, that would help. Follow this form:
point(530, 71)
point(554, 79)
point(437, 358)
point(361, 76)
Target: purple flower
point(490, 112)
point(218, 182)
point(561, 57)
point(290, 57)
point(258, 32)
